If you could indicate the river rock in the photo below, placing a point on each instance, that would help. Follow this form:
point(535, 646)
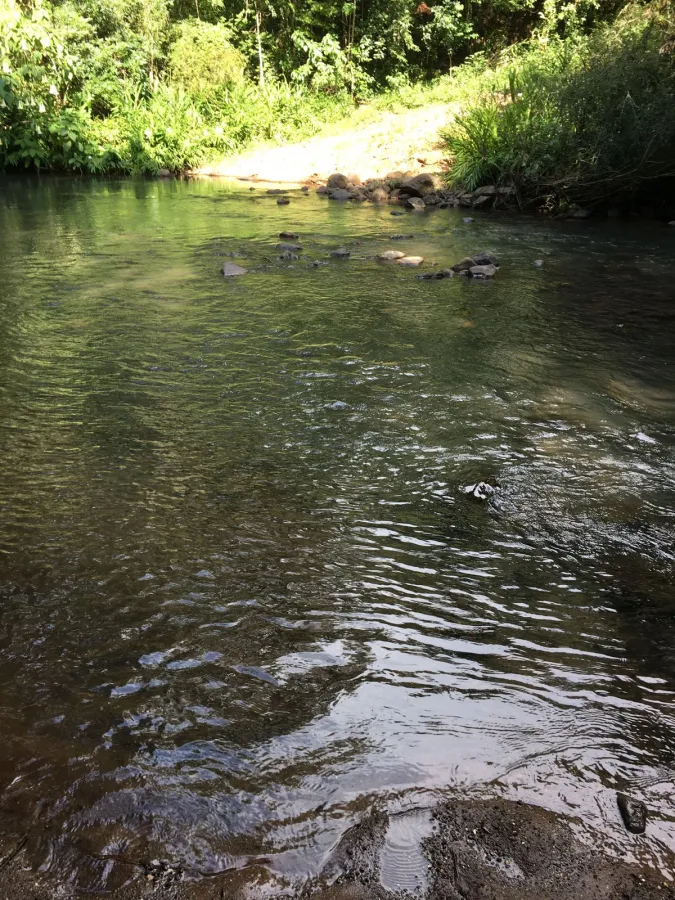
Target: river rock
point(580, 214)
point(402, 237)
point(437, 276)
point(354, 179)
point(485, 258)
point(396, 212)
point(288, 254)
point(464, 264)
point(323, 189)
point(283, 201)
point(163, 173)
point(379, 195)
point(285, 246)
point(391, 255)
point(538, 263)
point(358, 195)
point(418, 186)
point(229, 270)
point(341, 194)
point(340, 253)
point(410, 261)
point(467, 220)
point(337, 181)
point(288, 235)
point(483, 271)
point(633, 812)
point(480, 491)
point(414, 203)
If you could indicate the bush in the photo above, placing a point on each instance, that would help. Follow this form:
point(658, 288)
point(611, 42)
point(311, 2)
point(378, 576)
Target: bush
point(202, 58)
point(576, 120)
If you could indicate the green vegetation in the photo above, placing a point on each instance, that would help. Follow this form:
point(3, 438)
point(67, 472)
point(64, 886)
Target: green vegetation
point(583, 119)
point(569, 102)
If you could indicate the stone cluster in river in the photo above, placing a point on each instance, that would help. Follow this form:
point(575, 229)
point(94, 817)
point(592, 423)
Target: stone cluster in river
point(481, 265)
point(414, 192)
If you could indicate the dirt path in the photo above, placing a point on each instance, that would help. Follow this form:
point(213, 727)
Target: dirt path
point(394, 142)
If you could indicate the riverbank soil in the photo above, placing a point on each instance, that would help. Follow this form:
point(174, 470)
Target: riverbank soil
point(478, 850)
point(407, 141)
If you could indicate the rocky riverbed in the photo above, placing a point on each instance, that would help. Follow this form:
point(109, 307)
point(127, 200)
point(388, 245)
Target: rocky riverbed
point(463, 849)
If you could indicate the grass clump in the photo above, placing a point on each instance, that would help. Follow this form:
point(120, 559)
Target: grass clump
point(583, 119)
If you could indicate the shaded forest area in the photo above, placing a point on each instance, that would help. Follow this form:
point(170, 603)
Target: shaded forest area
point(562, 101)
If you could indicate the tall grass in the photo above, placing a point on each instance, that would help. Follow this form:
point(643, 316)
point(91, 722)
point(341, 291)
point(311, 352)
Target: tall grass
point(581, 120)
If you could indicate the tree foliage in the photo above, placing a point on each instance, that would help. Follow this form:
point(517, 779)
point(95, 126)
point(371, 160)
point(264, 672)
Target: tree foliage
point(135, 85)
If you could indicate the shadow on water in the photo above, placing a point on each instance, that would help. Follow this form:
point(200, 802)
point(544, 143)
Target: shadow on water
point(243, 592)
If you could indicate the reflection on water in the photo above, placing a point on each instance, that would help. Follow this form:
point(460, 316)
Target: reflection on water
point(242, 590)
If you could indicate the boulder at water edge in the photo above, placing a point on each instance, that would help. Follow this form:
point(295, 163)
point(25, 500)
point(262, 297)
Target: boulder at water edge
point(391, 255)
point(633, 812)
point(414, 203)
point(337, 182)
point(411, 261)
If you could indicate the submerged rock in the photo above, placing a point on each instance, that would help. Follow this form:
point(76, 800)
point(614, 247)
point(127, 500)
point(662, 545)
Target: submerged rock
point(340, 253)
point(538, 263)
point(288, 254)
point(467, 220)
point(633, 812)
point(286, 246)
point(341, 194)
point(401, 237)
point(379, 195)
point(288, 235)
point(390, 255)
point(410, 261)
point(396, 212)
point(283, 201)
point(229, 270)
point(437, 276)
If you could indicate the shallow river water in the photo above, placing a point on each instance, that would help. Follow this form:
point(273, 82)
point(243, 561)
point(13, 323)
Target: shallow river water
point(242, 593)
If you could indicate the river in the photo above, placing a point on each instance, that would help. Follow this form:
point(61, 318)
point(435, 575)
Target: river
point(242, 591)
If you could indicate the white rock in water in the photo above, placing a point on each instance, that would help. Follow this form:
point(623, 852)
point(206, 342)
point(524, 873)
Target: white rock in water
point(641, 436)
point(391, 255)
point(231, 269)
point(340, 253)
point(479, 491)
point(538, 263)
point(411, 261)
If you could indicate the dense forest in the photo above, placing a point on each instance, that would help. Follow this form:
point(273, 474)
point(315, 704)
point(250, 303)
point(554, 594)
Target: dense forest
point(558, 96)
